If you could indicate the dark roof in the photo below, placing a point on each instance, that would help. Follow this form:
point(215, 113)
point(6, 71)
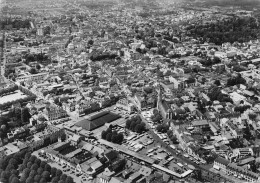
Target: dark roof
point(246, 161)
point(222, 161)
point(165, 106)
point(91, 118)
point(97, 120)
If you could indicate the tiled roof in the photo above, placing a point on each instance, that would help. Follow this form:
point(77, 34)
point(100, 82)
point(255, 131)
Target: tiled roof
point(222, 161)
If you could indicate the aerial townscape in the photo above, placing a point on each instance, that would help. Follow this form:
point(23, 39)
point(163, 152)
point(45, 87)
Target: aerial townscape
point(129, 91)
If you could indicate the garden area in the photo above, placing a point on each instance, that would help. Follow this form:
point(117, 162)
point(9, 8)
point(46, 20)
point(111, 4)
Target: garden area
point(23, 167)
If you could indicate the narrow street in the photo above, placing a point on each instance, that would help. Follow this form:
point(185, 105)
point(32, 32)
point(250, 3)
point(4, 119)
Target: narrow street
point(180, 157)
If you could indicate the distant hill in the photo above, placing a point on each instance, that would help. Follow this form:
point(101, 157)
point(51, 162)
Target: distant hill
point(241, 3)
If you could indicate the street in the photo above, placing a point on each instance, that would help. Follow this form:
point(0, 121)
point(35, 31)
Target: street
point(179, 157)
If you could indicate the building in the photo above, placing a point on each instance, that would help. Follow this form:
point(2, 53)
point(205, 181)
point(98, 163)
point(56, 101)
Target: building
point(178, 83)
point(200, 124)
point(125, 105)
point(140, 102)
point(48, 136)
point(12, 148)
point(234, 129)
point(249, 176)
point(31, 78)
point(53, 112)
point(18, 133)
point(97, 120)
point(40, 30)
point(163, 106)
point(221, 164)
point(76, 158)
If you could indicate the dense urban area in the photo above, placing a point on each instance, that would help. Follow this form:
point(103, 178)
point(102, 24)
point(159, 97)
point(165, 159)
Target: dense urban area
point(129, 91)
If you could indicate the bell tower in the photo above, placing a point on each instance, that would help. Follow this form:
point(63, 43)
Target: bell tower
point(159, 98)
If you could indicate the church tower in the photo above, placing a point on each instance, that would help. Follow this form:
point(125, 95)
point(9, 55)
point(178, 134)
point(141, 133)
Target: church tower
point(159, 98)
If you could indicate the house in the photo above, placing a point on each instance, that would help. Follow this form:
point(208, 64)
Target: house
point(178, 83)
point(221, 164)
point(140, 101)
point(125, 105)
point(249, 176)
point(200, 123)
point(37, 78)
point(53, 112)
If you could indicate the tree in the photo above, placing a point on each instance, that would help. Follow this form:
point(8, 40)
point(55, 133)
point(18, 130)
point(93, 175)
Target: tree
point(43, 163)
point(90, 42)
point(38, 162)
point(40, 170)
point(43, 180)
point(15, 172)
point(128, 124)
point(252, 116)
point(58, 173)
point(5, 175)
point(13, 162)
point(46, 175)
point(29, 180)
point(34, 167)
point(10, 167)
point(120, 137)
point(174, 139)
point(114, 138)
point(27, 156)
point(38, 67)
point(21, 167)
point(37, 178)
point(26, 172)
point(3, 164)
point(32, 173)
point(15, 180)
point(138, 128)
point(69, 180)
point(33, 71)
point(103, 134)
point(132, 126)
point(29, 164)
point(217, 82)
point(25, 115)
point(63, 177)
point(55, 179)
point(47, 168)
point(3, 180)
point(108, 137)
point(53, 171)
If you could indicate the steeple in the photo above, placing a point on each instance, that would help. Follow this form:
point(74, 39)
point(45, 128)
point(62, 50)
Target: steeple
point(159, 99)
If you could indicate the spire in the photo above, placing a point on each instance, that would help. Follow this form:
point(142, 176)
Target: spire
point(159, 99)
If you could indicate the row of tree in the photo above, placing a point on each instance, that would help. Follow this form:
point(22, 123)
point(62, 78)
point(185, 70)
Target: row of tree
point(6, 105)
point(135, 124)
point(216, 94)
point(14, 23)
point(40, 57)
point(163, 128)
point(33, 170)
point(16, 117)
point(172, 137)
point(112, 136)
point(6, 91)
point(232, 30)
point(102, 56)
point(156, 117)
point(236, 80)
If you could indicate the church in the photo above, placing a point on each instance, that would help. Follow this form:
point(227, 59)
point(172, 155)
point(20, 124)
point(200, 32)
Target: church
point(163, 106)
